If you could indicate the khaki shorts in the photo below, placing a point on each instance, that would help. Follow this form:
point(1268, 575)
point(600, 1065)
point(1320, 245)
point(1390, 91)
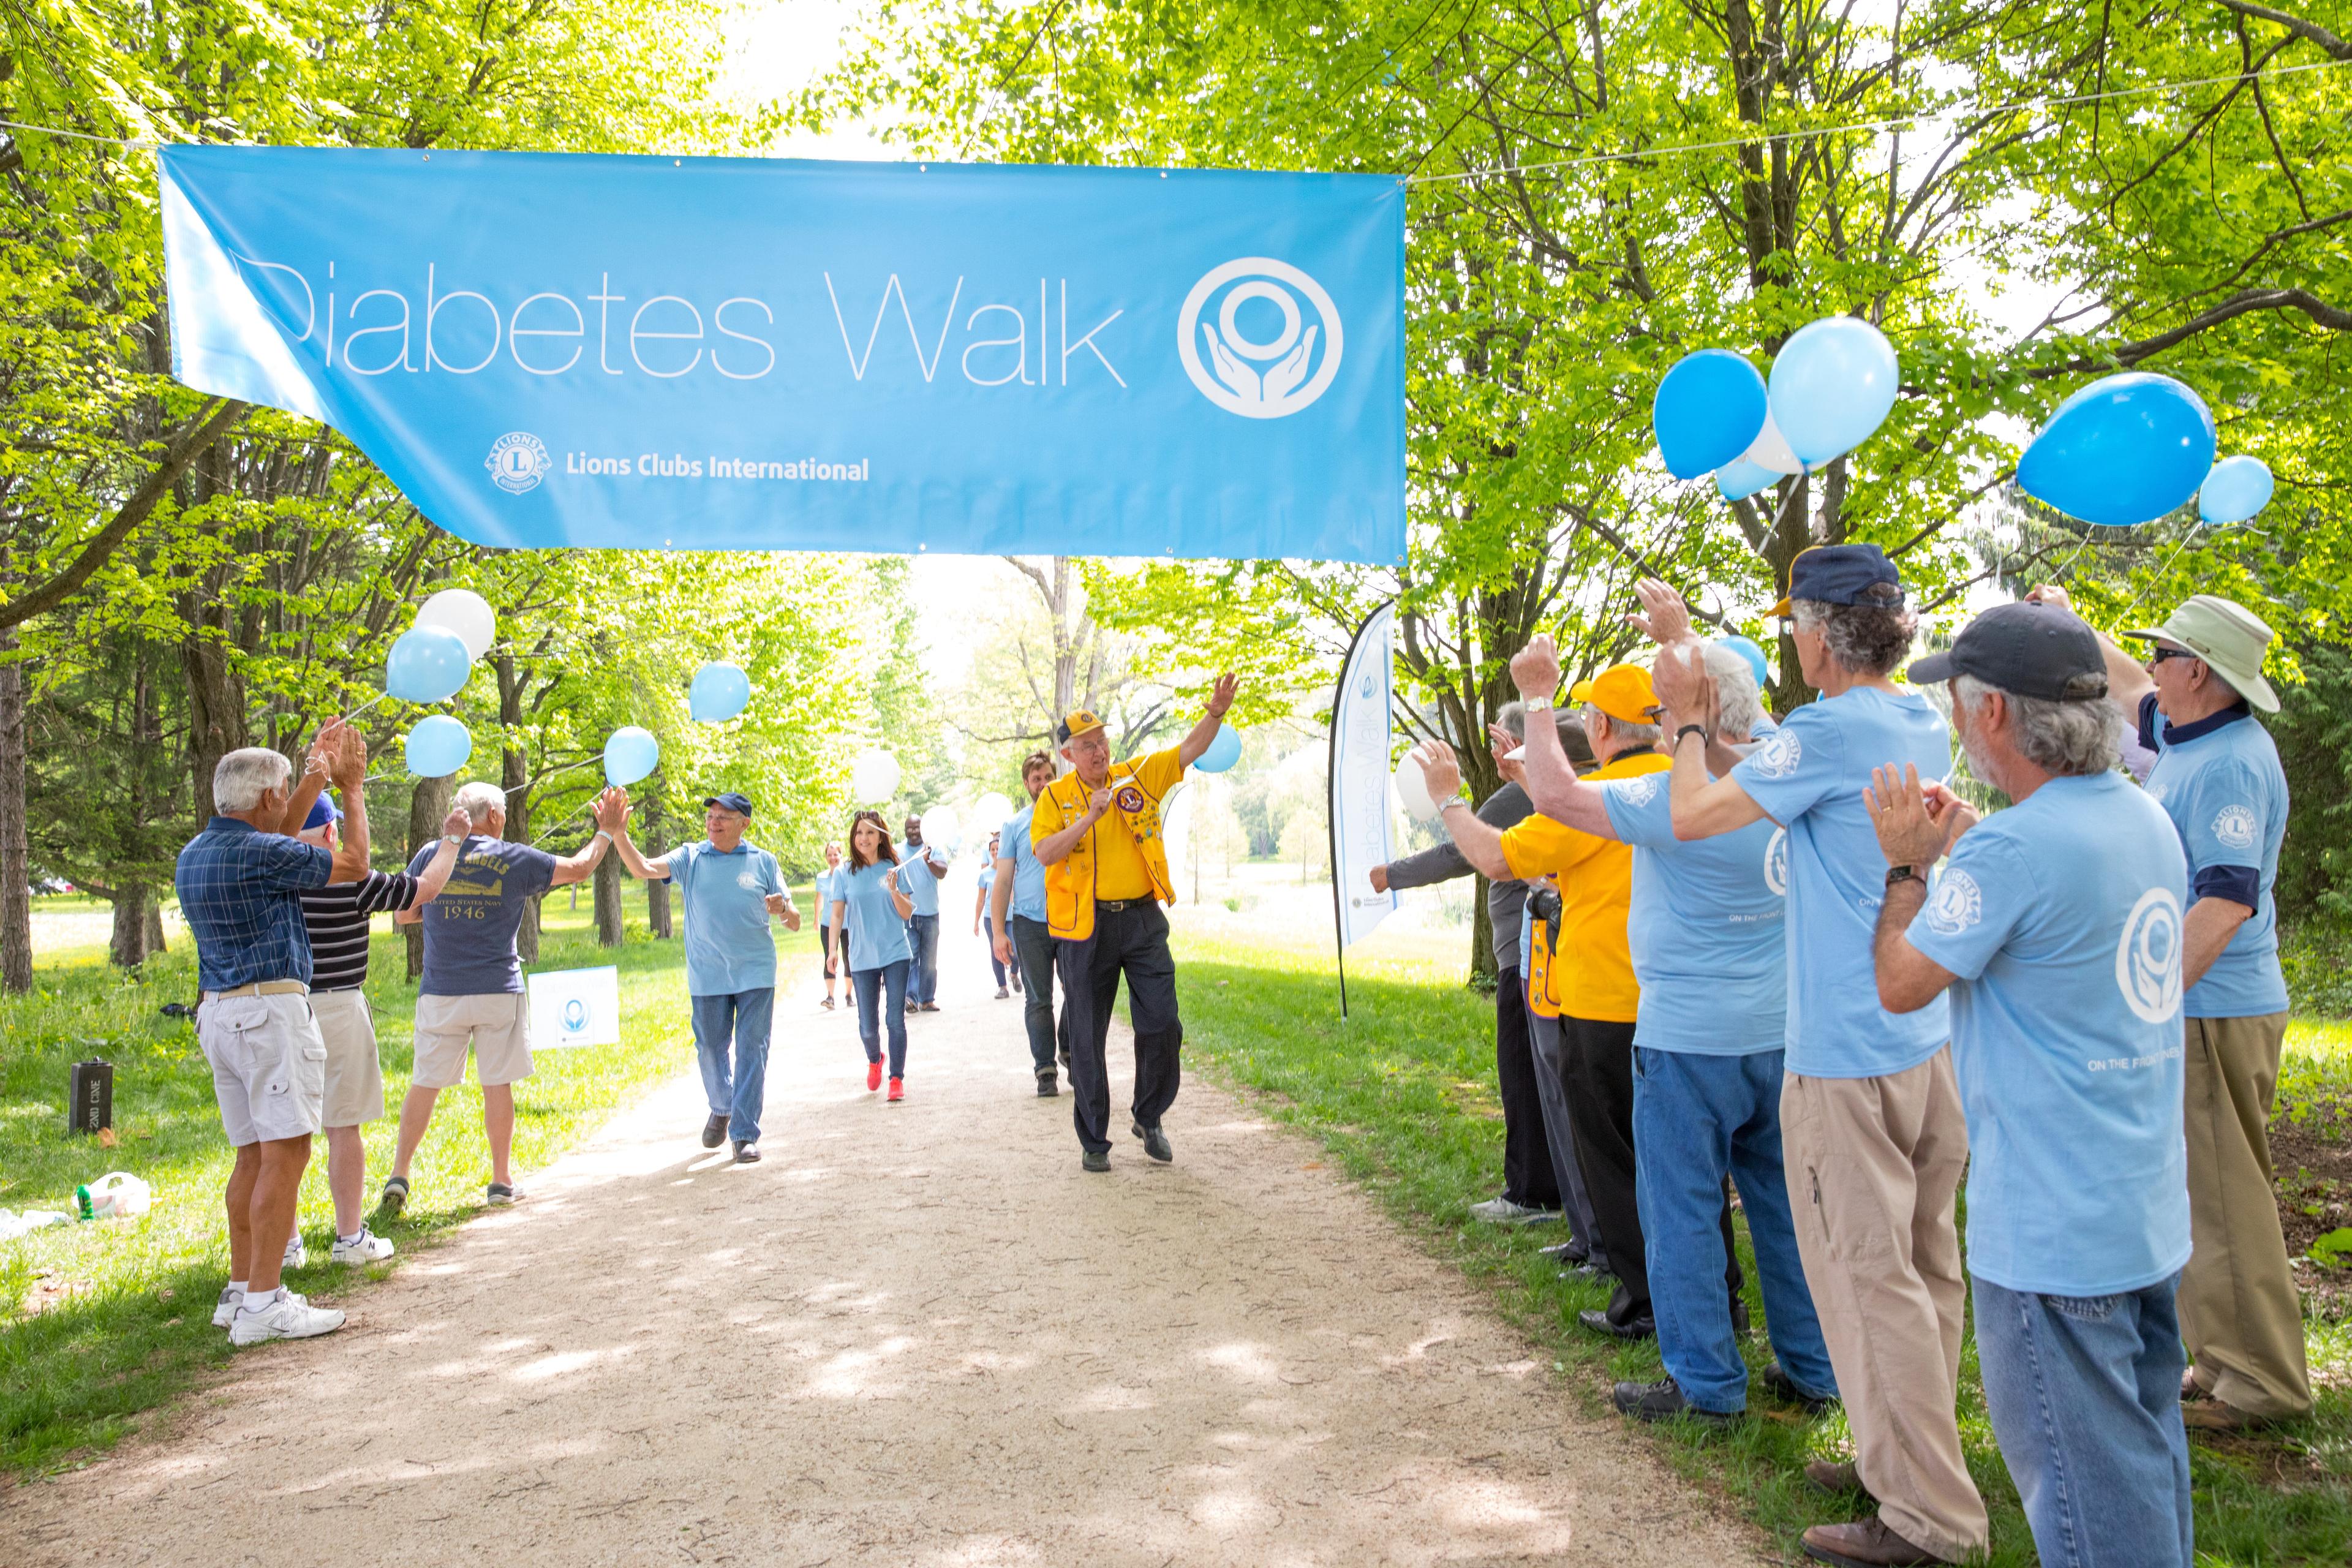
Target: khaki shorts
point(270, 1066)
point(354, 1075)
point(498, 1026)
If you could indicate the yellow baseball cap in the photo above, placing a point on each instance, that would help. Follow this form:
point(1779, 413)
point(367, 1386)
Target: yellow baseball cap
point(1077, 721)
point(1623, 692)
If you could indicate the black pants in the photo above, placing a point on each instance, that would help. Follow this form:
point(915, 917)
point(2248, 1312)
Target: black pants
point(1131, 941)
point(1527, 1159)
point(1598, 1063)
point(1032, 945)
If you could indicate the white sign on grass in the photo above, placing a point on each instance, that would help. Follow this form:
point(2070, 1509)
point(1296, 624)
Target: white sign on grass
point(575, 1007)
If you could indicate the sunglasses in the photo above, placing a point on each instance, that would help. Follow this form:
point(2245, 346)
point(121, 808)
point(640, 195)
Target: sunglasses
point(2160, 655)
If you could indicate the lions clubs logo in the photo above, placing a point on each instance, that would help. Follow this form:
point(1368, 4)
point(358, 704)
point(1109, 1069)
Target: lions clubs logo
point(1777, 757)
point(1276, 361)
point(1956, 904)
point(517, 461)
point(2148, 958)
point(2235, 828)
point(1128, 798)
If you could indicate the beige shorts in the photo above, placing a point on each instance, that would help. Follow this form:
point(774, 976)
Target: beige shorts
point(354, 1074)
point(270, 1066)
point(498, 1024)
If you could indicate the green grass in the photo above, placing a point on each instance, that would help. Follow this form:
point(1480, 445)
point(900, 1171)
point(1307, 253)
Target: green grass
point(125, 1322)
point(1402, 1096)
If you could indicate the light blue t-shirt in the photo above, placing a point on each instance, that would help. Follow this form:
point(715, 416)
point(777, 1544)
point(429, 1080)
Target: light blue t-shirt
point(2226, 795)
point(728, 944)
point(1706, 927)
point(828, 889)
point(1028, 872)
point(878, 937)
point(2062, 916)
point(1809, 775)
point(917, 883)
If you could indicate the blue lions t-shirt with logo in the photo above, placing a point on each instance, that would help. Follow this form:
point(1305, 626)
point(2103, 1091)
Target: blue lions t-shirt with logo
point(470, 929)
point(2219, 781)
point(1809, 775)
point(1028, 872)
point(728, 947)
point(1706, 930)
point(878, 937)
point(917, 883)
point(2062, 917)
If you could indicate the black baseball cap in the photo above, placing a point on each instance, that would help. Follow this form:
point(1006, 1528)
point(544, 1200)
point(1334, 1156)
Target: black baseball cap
point(2033, 650)
point(1839, 574)
point(738, 804)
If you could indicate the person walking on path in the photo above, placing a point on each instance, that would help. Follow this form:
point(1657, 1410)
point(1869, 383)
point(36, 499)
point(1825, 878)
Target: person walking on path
point(1096, 830)
point(829, 935)
point(925, 869)
point(240, 883)
point(731, 890)
point(872, 907)
point(2056, 928)
point(2218, 777)
point(1870, 1115)
point(337, 918)
point(1020, 934)
point(472, 992)
point(983, 883)
point(1533, 1152)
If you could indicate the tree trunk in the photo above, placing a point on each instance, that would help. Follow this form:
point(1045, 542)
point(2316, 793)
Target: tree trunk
point(428, 804)
point(657, 888)
point(155, 942)
point(127, 948)
point(16, 859)
point(610, 930)
point(1485, 963)
point(514, 774)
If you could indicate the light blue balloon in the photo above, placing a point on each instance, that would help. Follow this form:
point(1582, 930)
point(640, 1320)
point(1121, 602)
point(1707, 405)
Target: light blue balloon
point(438, 747)
point(719, 692)
point(1745, 648)
point(1223, 752)
point(426, 664)
point(630, 755)
point(1739, 478)
point(2125, 450)
point(1833, 383)
point(1707, 412)
point(2235, 491)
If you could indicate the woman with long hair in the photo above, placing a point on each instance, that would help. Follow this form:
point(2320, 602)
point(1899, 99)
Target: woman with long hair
point(870, 908)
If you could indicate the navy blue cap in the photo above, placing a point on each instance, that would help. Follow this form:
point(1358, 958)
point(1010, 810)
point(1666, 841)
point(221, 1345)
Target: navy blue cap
point(1840, 574)
point(738, 804)
point(2033, 650)
point(323, 812)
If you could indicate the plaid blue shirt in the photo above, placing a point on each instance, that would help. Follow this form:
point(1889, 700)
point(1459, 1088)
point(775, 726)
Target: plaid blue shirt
point(240, 893)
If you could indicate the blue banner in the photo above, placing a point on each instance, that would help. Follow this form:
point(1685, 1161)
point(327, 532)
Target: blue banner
point(717, 354)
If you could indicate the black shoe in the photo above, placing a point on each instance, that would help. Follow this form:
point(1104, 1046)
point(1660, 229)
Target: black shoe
point(1599, 1322)
point(714, 1129)
point(1047, 1085)
point(1095, 1159)
point(1585, 1268)
point(1663, 1400)
point(1155, 1141)
point(1739, 1320)
point(746, 1152)
point(1781, 1386)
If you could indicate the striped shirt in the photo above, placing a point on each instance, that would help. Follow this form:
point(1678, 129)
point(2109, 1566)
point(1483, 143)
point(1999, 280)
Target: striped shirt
point(337, 916)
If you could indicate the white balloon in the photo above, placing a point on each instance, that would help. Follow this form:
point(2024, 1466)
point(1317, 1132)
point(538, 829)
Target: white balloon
point(1770, 450)
point(465, 611)
point(874, 778)
point(991, 810)
point(941, 829)
point(1412, 789)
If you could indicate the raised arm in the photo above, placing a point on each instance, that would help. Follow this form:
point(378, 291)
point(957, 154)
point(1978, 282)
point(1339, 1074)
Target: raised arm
point(1703, 806)
point(1198, 740)
point(351, 783)
point(1481, 842)
point(612, 813)
point(2127, 679)
point(436, 875)
point(326, 748)
point(1551, 782)
point(634, 861)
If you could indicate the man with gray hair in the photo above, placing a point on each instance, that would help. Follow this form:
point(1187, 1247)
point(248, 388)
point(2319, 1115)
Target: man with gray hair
point(472, 990)
point(2056, 928)
point(240, 883)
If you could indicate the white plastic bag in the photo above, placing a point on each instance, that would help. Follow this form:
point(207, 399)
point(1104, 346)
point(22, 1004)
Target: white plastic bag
point(118, 1195)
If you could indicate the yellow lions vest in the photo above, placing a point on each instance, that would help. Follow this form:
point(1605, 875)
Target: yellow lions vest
point(1070, 883)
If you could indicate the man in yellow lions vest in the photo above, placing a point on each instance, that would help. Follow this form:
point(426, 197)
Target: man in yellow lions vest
point(1097, 832)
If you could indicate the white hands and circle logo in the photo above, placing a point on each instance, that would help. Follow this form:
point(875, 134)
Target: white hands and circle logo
point(1639, 791)
point(517, 461)
point(1957, 903)
point(2148, 958)
point(1777, 757)
point(2236, 828)
point(1259, 379)
point(1776, 862)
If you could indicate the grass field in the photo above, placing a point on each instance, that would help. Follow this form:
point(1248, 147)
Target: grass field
point(1402, 1095)
point(103, 1322)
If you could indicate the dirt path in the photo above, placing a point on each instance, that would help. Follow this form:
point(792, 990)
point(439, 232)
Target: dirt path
point(917, 1335)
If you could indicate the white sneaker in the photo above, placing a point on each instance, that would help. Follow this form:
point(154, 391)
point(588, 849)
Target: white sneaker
point(297, 1255)
point(225, 1311)
point(288, 1318)
point(366, 1247)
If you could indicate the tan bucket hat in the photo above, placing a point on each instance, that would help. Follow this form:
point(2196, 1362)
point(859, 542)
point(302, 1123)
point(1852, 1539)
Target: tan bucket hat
point(2229, 638)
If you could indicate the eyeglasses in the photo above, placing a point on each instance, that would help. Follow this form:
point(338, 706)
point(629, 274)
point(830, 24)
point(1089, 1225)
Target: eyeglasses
point(2160, 655)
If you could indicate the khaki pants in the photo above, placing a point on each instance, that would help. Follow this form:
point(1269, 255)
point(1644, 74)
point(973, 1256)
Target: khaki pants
point(1873, 1164)
point(2239, 1310)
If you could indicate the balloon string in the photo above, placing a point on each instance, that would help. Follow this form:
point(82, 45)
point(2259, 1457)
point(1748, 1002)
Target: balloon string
point(2185, 541)
point(364, 707)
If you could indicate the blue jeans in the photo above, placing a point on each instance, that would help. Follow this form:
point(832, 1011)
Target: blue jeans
point(923, 941)
point(1697, 1119)
point(741, 1018)
point(883, 991)
point(2085, 1396)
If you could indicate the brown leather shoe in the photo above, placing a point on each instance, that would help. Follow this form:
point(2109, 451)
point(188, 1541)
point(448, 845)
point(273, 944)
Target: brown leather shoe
point(1834, 1477)
point(1866, 1545)
point(2211, 1415)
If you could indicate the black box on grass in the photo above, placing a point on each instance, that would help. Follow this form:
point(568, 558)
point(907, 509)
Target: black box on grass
point(90, 1096)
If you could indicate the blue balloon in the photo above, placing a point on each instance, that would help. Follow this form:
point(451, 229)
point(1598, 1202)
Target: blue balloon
point(630, 755)
point(2125, 449)
point(1745, 648)
point(1708, 411)
point(1223, 752)
point(2235, 491)
point(426, 664)
point(438, 746)
point(1833, 383)
point(719, 692)
point(1739, 478)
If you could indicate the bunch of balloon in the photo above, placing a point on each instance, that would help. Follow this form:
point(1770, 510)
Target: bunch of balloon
point(1832, 385)
point(719, 692)
point(2125, 450)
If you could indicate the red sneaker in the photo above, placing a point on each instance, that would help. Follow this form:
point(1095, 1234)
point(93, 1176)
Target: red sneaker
point(897, 1088)
point(873, 1077)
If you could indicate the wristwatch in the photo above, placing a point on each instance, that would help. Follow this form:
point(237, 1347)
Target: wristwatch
point(1698, 729)
point(1529, 705)
point(1902, 874)
point(456, 838)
